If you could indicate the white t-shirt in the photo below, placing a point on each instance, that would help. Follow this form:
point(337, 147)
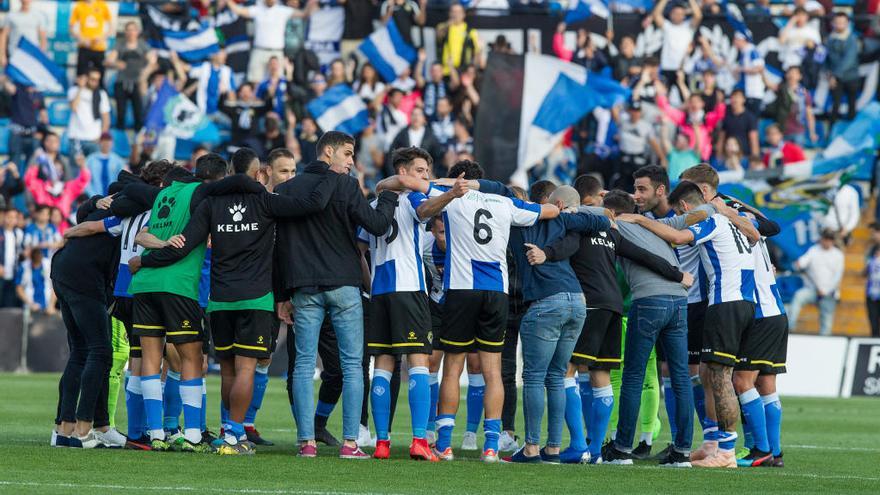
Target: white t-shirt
point(796, 40)
point(416, 136)
point(12, 241)
point(754, 83)
point(769, 300)
point(269, 25)
point(824, 268)
point(845, 212)
point(727, 258)
point(396, 256)
point(477, 230)
point(83, 124)
point(24, 24)
point(676, 40)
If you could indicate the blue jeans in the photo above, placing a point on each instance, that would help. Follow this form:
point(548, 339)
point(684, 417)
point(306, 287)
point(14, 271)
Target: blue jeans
point(549, 332)
point(650, 318)
point(808, 295)
point(21, 149)
point(347, 315)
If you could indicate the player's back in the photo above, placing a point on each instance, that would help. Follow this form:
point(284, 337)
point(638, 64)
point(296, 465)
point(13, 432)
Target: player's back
point(727, 257)
point(396, 256)
point(768, 299)
point(477, 231)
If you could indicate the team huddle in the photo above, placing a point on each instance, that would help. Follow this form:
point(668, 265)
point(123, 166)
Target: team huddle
point(444, 275)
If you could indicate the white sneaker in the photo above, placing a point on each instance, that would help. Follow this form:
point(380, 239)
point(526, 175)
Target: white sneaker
point(89, 441)
point(507, 443)
point(470, 441)
point(430, 437)
point(364, 439)
point(111, 438)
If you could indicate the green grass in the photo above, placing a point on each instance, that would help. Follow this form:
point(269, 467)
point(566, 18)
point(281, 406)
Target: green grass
point(830, 447)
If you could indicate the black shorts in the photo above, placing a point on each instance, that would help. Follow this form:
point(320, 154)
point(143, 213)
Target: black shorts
point(474, 320)
point(436, 319)
point(276, 328)
point(400, 323)
point(245, 332)
point(764, 346)
point(696, 323)
point(123, 307)
point(726, 323)
point(599, 343)
point(160, 314)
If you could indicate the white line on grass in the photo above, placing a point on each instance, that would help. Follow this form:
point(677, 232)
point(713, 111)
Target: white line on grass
point(178, 488)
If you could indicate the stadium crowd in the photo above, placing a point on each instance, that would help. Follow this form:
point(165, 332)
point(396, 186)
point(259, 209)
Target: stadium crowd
point(89, 212)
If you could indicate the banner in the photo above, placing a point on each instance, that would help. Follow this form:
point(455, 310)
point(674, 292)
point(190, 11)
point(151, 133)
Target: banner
point(176, 115)
point(862, 368)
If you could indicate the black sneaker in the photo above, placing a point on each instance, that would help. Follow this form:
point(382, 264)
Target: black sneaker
point(755, 458)
point(549, 458)
point(208, 437)
point(142, 443)
point(325, 437)
point(611, 455)
point(676, 459)
point(775, 462)
point(642, 452)
point(254, 437)
point(663, 453)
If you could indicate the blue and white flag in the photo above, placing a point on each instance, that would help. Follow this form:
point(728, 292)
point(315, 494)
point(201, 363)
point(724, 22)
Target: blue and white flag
point(192, 46)
point(388, 53)
point(578, 10)
point(29, 66)
point(340, 109)
point(175, 114)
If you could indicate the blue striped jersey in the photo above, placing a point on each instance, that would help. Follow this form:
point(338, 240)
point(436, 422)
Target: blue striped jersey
point(126, 229)
point(727, 258)
point(768, 299)
point(434, 259)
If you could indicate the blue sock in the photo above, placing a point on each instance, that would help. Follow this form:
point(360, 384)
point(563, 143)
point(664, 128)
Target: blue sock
point(445, 424)
point(748, 438)
point(476, 391)
point(710, 430)
point(492, 431)
point(380, 399)
point(224, 414)
point(151, 387)
point(204, 421)
point(773, 417)
point(755, 422)
point(603, 403)
point(669, 401)
point(191, 398)
point(699, 399)
point(232, 430)
point(434, 383)
point(261, 380)
point(573, 415)
point(171, 399)
point(419, 400)
point(324, 409)
point(134, 404)
point(586, 391)
point(726, 440)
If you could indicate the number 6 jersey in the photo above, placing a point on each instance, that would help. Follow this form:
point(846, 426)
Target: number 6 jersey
point(727, 257)
point(477, 230)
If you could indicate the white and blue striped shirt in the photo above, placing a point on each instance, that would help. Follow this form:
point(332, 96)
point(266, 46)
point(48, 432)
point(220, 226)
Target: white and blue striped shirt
point(768, 299)
point(727, 259)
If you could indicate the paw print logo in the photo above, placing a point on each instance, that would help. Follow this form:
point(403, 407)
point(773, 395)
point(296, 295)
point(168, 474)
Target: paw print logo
point(165, 206)
point(236, 211)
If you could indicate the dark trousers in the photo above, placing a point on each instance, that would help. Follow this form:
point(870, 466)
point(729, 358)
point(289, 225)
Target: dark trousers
point(851, 90)
point(124, 93)
point(89, 59)
point(754, 105)
point(874, 316)
point(85, 379)
point(22, 148)
point(508, 373)
point(8, 298)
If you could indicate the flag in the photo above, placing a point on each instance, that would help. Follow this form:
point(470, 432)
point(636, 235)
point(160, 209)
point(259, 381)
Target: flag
point(535, 99)
point(578, 10)
point(734, 17)
point(388, 53)
point(175, 114)
point(192, 46)
point(29, 66)
point(232, 30)
point(339, 109)
point(192, 40)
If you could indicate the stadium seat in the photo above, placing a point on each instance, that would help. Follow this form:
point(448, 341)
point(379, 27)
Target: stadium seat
point(128, 8)
point(65, 144)
point(59, 113)
point(184, 149)
point(4, 140)
point(121, 144)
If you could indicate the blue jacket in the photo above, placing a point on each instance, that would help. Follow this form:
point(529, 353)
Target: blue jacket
point(550, 278)
point(843, 57)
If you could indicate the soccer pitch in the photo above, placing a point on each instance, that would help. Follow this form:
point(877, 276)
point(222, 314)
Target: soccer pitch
point(830, 445)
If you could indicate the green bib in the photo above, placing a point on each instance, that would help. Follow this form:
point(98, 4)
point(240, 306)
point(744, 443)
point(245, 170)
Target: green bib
point(169, 217)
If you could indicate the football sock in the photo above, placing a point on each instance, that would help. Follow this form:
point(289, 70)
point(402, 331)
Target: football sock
point(419, 400)
point(492, 431)
point(445, 424)
point(191, 398)
point(476, 391)
point(755, 421)
point(586, 391)
point(434, 383)
point(699, 399)
point(172, 401)
point(224, 414)
point(773, 417)
point(748, 439)
point(322, 412)
point(669, 401)
point(380, 399)
point(151, 387)
point(204, 421)
point(261, 380)
point(232, 431)
point(114, 383)
point(603, 402)
point(726, 440)
point(134, 404)
point(573, 415)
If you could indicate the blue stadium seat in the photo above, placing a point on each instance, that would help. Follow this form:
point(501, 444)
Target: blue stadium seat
point(121, 145)
point(128, 8)
point(4, 122)
point(59, 113)
point(65, 144)
point(184, 149)
point(4, 140)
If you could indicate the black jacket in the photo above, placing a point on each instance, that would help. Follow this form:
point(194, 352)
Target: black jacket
point(321, 250)
point(429, 144)
point(242, 230)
